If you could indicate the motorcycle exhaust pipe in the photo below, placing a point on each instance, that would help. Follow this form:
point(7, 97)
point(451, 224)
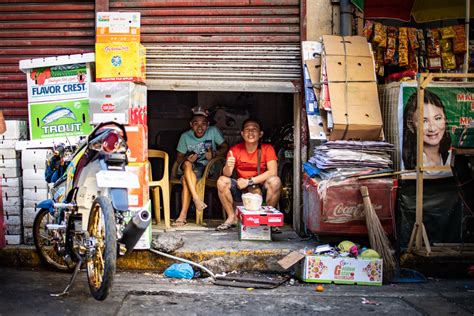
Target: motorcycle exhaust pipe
point(135, 229)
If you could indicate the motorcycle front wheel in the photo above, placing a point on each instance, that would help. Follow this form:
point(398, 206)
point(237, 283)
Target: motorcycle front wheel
point(103, 238)
point(49, 244)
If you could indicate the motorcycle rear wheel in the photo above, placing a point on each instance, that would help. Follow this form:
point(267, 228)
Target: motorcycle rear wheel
point(102, 232)
point(47, 244)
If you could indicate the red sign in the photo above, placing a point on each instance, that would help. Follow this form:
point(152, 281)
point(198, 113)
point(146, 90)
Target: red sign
point(108, 107)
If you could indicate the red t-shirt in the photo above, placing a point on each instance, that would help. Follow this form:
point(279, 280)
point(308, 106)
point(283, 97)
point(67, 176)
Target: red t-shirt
point(246, 163)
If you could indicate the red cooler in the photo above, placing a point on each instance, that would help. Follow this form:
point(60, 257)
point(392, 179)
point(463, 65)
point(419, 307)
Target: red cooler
point(337, 208)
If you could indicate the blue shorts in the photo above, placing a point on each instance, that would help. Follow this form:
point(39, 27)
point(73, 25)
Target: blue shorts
point(198, 169)
point(237, 193)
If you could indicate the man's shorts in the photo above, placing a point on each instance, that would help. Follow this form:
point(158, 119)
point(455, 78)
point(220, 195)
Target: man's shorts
point(198, 169)
point(237, 193)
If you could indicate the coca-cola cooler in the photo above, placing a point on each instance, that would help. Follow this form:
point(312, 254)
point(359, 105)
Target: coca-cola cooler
point(336, 207)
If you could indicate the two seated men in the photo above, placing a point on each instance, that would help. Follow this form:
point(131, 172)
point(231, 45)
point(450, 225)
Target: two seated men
point(255, 165)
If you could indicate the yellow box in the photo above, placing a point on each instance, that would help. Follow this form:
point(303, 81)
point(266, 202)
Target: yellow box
point(120, 62)
point(117, 27)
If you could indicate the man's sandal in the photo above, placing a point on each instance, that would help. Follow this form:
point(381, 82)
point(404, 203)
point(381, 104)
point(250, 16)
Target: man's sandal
point(179, 223)
point(224, 226)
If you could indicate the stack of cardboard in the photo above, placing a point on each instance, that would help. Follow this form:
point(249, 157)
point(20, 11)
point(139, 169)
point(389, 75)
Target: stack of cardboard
point(10, 173)
point(346, 88)
point(120, 95)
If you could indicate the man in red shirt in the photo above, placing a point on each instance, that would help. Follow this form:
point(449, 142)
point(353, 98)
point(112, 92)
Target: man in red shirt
point(243, 157)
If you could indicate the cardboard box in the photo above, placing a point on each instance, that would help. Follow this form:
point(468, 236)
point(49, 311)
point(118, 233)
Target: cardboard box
point(352, 88)
point(140, 196)
point(137, 141)
point(117, 27)
point(324, 269)
point(145, 240)
point(59, 119)
point(15, 130)
point(120, 62)
point(267, 215)
point(58, 78)
point(122, 102)
point(254, 232)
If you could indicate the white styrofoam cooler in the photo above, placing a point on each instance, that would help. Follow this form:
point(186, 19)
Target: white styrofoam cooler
point(10, 163)
point(10, 172)
point(9, 153)
point(34, 158)
point(33, 174)
point(11, 182)
point(15, 130)
point(35, 195)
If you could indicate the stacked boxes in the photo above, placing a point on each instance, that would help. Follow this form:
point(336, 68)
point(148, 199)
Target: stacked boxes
point(35, 188)
point(256, 225)
point(120, 95)
point(58, 95)
point(10, 173)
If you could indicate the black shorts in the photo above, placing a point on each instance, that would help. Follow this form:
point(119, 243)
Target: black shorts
point(237, 193)
point(198, 169)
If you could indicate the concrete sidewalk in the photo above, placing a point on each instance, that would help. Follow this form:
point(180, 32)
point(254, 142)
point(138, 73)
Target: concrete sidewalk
point(223, 249)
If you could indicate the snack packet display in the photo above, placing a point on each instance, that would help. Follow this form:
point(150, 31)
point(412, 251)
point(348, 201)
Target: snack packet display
point(403, 47)
point(380, 35)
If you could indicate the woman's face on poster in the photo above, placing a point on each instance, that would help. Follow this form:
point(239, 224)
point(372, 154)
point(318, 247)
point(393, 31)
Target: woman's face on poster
point(434, 126)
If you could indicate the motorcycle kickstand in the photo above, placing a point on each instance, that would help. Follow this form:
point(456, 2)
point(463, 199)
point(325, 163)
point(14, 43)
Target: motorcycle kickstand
point(73, 277)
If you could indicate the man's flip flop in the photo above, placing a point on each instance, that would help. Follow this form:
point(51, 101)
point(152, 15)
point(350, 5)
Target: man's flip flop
point(224, 226)
point(179, 223)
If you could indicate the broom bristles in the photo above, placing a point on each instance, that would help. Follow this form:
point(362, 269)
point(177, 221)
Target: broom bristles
point(377, 236)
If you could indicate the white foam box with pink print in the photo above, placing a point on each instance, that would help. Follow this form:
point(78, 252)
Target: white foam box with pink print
point(340, 270)
point(256, 225)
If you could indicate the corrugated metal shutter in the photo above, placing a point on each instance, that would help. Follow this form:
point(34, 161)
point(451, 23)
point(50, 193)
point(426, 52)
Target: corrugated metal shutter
point(218, 45)
point(37, 28)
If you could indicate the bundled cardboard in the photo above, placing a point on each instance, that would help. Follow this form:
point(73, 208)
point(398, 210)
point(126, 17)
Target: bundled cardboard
point(120, 62)
point(122, 102)
point(354, 102)
point(117, 27)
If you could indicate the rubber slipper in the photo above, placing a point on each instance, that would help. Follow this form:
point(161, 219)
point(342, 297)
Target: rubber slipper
point(224, 226)
point(276, 230)
point(179, 223)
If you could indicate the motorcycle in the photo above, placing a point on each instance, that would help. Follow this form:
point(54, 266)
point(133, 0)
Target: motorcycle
point(85, 218)
point(282, 141)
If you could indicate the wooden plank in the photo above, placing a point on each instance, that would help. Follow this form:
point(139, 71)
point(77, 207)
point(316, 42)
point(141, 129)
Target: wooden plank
point(49, 42)
point(220, 38)
point(46, 33)
point(47, 16)
point(47, 7)
point(218, 29)
point(47, 25)
point(200, 3)
point(227, 20)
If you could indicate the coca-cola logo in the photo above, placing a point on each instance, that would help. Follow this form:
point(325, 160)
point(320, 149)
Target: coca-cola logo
point(107, 107)
point(349, 212)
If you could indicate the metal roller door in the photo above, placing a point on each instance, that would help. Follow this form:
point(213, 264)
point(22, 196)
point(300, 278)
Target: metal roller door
point(217, 45)
point(39, 28)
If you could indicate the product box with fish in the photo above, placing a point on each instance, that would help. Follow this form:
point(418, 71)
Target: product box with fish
point(58, 78)
point(68, 118)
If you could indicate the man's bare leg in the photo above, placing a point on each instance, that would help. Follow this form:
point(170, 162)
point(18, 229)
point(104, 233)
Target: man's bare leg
point(273, 185)
point(185, 201)
point(191, 181)
point(223, 190)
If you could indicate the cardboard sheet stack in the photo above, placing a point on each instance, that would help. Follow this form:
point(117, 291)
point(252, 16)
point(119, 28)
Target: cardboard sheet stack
point(120, 95)
point(10, 172)
point(345, 87)
point(341, 159)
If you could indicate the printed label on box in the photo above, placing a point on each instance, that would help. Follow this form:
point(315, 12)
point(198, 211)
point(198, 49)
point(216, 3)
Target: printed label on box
point(59, 119)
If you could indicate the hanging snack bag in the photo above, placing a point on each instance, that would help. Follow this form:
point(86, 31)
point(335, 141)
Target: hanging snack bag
point(414, 44)
point(447, 32)
point(413, 61)
point(368, 29)
point(403, 47)
point(380, 35)
point(460, 40)
point(449, 61)
point(433, 49)
point(380, 70)
point(421, 41)
point(391, 46)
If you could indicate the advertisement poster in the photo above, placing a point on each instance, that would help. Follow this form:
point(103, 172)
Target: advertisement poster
point(59, 119)
point(447, 107)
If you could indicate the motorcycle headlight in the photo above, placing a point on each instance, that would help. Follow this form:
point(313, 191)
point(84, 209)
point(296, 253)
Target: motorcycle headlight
point(108, 142)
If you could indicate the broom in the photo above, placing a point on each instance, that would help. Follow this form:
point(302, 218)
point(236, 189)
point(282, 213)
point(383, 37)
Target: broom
point(377, 237)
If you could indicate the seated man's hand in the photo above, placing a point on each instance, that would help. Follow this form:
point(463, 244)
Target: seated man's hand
point(192, 158)
point(242, 183)
point(230, 162)
point(209, 155)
